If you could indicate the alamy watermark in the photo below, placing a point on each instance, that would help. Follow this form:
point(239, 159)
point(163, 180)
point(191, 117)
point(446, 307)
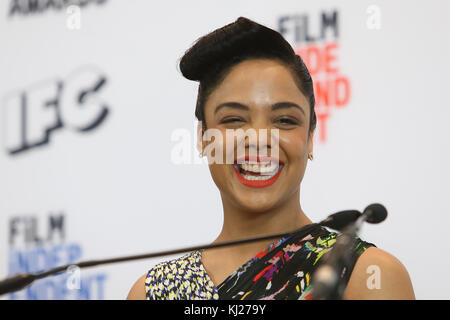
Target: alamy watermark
point(73, 21)
point(374, 280)
point(226, 147)
point(73, 281)
point(373, 21)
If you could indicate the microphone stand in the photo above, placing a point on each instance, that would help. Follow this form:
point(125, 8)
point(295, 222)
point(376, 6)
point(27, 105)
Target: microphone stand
point(22, 280)
point(17, 282)
point(327, 282)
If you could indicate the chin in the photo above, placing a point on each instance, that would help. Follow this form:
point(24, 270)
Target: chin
point(256, 202)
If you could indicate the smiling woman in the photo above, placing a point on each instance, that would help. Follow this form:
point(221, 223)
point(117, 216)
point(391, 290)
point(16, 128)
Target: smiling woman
point(251, 79)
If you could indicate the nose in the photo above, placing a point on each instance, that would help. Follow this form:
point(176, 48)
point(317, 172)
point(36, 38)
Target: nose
point(261, 140)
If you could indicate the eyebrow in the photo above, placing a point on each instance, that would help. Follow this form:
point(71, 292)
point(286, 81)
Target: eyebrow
point(275, 106)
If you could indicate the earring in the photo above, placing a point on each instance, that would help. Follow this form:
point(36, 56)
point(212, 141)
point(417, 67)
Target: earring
point(310, 156)
point(200, 154)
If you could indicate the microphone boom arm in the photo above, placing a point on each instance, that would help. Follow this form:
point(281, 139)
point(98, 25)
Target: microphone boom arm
point(17, 282)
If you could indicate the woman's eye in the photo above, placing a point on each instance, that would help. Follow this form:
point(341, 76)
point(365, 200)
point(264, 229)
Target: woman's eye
point(231, 120)
point(287, 121)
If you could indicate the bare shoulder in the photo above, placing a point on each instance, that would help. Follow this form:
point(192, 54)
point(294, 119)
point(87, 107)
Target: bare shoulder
point(379, 275)
point(137, 291)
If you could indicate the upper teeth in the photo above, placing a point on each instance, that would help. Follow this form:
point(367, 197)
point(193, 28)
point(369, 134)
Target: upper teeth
point(260, 168)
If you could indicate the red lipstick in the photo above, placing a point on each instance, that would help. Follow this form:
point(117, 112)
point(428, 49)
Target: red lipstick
point(257, 160)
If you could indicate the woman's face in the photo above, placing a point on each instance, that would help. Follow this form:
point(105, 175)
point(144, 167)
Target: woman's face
point(259, 94)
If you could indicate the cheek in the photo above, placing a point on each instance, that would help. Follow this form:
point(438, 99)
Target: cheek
point(221, 176)
point(295, 146)
point(296, 150)
point(215, 146)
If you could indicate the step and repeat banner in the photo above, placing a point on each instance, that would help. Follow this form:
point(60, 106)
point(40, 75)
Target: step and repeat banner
point(97, 132)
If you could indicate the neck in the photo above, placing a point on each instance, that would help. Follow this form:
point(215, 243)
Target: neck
point(240, 224)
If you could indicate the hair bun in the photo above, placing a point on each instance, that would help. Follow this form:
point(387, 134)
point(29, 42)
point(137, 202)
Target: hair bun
point(242, 37)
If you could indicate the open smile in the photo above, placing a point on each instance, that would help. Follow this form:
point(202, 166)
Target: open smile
point(258, 172)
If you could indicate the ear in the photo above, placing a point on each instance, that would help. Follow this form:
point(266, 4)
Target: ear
point(311, 142)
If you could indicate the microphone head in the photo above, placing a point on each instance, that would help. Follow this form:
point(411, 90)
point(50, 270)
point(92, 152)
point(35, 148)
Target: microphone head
point(340, 220)
point(375, 212)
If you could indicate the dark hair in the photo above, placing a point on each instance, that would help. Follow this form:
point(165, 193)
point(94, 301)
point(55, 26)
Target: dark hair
point(212, 56)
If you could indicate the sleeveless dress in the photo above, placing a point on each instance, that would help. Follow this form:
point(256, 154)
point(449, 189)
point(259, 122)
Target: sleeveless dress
point(281, 271)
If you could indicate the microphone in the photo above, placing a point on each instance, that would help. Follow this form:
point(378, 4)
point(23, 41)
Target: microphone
point(17, 282)
point(340, 220)
point(326, 279)
point(375, 213)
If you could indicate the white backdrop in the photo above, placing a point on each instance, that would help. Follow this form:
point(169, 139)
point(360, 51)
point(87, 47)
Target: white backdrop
point(91, 96)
